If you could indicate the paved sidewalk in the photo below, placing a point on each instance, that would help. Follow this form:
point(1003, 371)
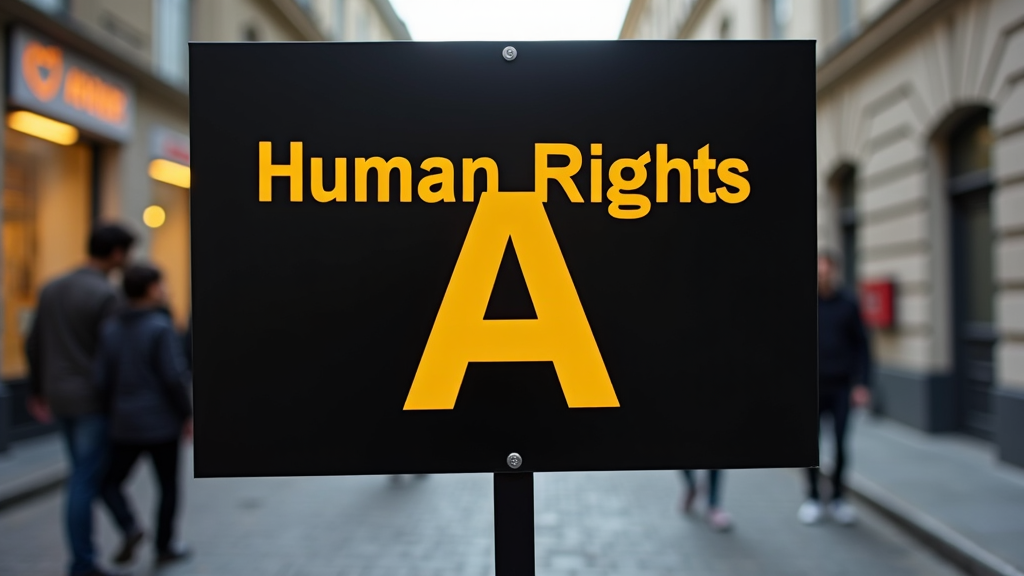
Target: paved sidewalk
point(30, 467)
point(949, 489)
point(593, 523)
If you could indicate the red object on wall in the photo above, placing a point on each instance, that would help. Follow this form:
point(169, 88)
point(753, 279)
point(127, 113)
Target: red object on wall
point(877, 302)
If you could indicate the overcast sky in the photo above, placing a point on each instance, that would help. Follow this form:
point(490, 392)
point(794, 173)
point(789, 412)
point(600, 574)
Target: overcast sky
point(512, 19)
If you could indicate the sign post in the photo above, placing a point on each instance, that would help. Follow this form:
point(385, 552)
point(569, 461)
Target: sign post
point(418, 258)
point(513, 524)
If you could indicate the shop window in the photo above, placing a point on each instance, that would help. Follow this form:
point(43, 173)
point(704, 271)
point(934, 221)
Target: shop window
point(20, 251)
point(170, 248)
point(46, 217)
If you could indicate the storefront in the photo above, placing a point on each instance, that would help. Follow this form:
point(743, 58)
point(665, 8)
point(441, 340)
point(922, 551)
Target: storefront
point(168, 216)
point(64, 114)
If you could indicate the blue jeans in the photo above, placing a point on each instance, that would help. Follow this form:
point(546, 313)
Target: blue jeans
point(88, 448)
point(713, 483)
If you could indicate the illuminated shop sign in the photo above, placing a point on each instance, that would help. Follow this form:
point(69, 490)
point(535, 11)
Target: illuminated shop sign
point(170, 157)
point(54, 81)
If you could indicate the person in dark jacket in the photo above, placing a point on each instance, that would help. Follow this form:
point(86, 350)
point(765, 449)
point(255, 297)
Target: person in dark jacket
point(61, 351)
point(844, 365)
point(141, 368)
point(186, 343)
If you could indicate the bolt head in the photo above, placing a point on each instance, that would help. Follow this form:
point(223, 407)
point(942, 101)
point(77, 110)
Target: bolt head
point(514, 460)
point(509, 53)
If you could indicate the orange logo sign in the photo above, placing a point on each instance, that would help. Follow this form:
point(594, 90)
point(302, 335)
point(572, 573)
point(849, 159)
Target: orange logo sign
point(99, 99)
point(42, 67)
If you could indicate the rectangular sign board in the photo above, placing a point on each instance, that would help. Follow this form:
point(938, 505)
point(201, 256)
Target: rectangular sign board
point(422, 257)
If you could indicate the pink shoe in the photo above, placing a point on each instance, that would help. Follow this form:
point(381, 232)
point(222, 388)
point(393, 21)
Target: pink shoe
point(720, 520)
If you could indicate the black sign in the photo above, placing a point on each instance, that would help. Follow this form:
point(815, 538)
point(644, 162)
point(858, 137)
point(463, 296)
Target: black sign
point(419, 258)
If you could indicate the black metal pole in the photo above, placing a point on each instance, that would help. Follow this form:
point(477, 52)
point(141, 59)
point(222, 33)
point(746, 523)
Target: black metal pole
point(513, 524)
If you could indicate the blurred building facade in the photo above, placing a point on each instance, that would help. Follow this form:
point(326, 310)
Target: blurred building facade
point(96, 128)
point(920, 113)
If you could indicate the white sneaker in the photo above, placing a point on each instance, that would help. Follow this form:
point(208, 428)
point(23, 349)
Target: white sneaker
point(842, 512)
point(810, 512)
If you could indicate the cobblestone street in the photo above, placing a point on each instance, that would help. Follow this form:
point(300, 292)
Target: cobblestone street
point(624, 523)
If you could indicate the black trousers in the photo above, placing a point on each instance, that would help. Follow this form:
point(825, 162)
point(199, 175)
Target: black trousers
point(835, 400)
point(165, 460)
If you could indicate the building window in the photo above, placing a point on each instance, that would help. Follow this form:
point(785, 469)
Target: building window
point(724, 29)
point(172, 32)
point(339, 19)
point(363, 24)
point(846, 191)
point(778, 14)
point(970, 186)
point(50, 6)
point(847, 18)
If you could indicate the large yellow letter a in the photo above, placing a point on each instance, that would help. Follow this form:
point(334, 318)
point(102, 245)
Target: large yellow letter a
point(560, 334)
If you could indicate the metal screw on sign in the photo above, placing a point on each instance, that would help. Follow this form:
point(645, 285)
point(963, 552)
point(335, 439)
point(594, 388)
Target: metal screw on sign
point(509, 53)
point(514, 460)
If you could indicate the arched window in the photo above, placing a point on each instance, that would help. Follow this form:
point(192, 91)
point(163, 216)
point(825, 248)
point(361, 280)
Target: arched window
point(725, 28)
point(846, 190)
point(969, 186)
point(251, 34)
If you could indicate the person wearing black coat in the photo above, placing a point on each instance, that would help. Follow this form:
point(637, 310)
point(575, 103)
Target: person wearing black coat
point(844, 366)
point(142, 372)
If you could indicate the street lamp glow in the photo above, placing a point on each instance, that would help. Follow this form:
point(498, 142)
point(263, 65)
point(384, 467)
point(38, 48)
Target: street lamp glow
point(171, 173)
point(154, 216)
point(42, 127)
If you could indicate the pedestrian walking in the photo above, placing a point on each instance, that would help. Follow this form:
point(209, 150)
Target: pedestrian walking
point(61, 348)
point(186, 344)
point(844, 366)
point(719, 519)
point(141, 368)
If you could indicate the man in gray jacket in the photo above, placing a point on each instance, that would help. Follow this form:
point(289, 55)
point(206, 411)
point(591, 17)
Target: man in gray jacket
point(61, 349)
